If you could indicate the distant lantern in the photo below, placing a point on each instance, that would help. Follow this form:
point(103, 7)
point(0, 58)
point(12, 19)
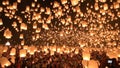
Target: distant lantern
point(13, 51)
point(116, 5)
point(7, 34)
point(14, 24)
point(74, 2)
point(45, 26)
point(23, 53)
point(22, 42)
point(19, 1)
point(105, 6)
point(34, 25)
point(1, 22)
point(86, 55)
point(63, 1)
point(84, 23)
point(4, 62)
point(96, 6)
point(102, 1)
point(23, 26)
point(21, 36)
point(93, 64)
point(5, 48)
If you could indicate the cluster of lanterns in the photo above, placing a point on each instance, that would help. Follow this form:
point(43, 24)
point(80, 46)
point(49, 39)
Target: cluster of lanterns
point(86, 53)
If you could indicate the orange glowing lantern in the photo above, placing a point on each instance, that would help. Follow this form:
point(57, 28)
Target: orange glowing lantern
point(13, 51)
point(7, 34)
point(1, 22)
point(74, 2)
point(23, 53)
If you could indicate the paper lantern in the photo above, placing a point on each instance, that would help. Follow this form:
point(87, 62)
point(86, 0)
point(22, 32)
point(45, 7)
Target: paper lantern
point(84, 23)
point(93, 64)
point(105, 7)
point(14, 24)
point(23, 26)
point(32, 50)
point(116, 5)
point(13, 51)
point(21, 36)
point(5, 48)
point(23, 53)
point(96, 6)
point(63, 1)
point(7, 34)
point(1, 22)
point(86, 55)
point(25, 47)
point(4, 62)
point(85, 63)
point(34, 25)
point(45, 26)
point(74, 2)
point(13, 59)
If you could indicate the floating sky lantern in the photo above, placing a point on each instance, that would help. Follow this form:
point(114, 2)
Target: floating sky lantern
point(23, 26)
point(7, 34)
point(74, 2)
point(23, 53)
point(86, 55)
point(13, 51)
point(1, 22)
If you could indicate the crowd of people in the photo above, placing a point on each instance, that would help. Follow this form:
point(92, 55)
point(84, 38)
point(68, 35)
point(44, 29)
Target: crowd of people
point(65, 60)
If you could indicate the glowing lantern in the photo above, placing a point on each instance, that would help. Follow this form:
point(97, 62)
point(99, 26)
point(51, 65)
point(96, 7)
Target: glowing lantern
point(84, 23)
point(23, 26)
point(4, 62)
point(38, 30)
point(32, 50)
point(22, 42)
point(13, 59)
point(34, 25)
point(1, 22)
point(74, 2)
point(116, 5)
point(27, 8)
point(105, 7)
point(13, 51)
point(14, 24)
point(102, 1)
point(93, 64)
point(45, 26)
point(86, 55)
point(19, 1)
point(21, 36)
point(7, 34)
point(118, 52)
point(1, 9)
point(25, 47)
point(5, 48)
point(56, 4)
point(85, 63)
point(96, 6)
point(23, 53)
point(7, 43)
point(118, 1)
point(63, 1)
point(48, 11)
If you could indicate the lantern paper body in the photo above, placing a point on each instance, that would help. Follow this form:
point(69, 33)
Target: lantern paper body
point(13, 51)
point(1, 22)
point(7, 34)
point(86, 55)
point(85, 63)
point(93, 64)
point(4, 62)
point(63, 1)
point(5, 48)
point(23, 53)
point(74, 2)
point(23, 26)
